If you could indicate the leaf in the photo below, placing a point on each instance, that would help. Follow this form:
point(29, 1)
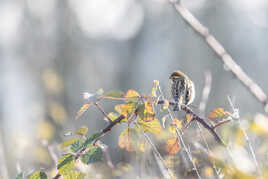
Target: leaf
point(77, 145)
point(82, 131)
point(165, 105)
point(188, 117)
point(132, 95)
point(145, 111)
point(113, 116)
point(216, 113)
point(128, 109)
point(115, 94)
point(177, 123)
point(19, 176)
point(153, 126)
point(172, 129)
point(66, 164)
point(74, 175)
point(82, 110)
point(68, 142)
point(94, 154)
point(38, 175)
point(172, 146)
point(128, 140)
point(100, 91)
point(89, 140)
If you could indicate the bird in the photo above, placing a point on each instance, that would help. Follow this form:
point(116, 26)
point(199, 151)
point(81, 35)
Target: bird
point(182, 89)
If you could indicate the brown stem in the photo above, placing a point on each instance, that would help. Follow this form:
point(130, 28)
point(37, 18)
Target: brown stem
point(200, 120)
point(103, 112)
point(220, 123)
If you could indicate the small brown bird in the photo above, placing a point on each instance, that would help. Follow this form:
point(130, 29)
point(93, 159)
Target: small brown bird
point(182, 89)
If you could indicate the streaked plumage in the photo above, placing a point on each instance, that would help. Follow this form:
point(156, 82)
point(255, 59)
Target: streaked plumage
point(182, 89)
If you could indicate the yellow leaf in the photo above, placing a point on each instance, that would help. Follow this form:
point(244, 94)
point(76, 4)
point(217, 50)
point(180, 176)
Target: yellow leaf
point(128, 139)
point(216, 113)
point(45, 130)
point(177, 123)
point(82, 131)
point(165, 105)
point(82, 110)
point(172, 129)
point(172, 146)
point(69, 142)
point(132, 95)
point(153, 126)
point(154, 92)
point(146, 112)
point(208, 172)
point(239, 138)
point(260, 125)
point(142, 147)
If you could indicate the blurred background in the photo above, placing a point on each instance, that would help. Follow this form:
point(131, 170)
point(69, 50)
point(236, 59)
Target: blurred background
point(53, 51)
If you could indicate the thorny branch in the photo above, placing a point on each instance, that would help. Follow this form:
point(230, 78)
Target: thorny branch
point(216, 46)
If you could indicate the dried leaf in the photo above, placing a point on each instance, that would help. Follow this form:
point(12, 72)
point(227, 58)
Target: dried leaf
point(146, 112)
point(68, 142)
point(115, 94)
point(188, 117)
point(216, 113)
point(82, 110)
point(172, 146)
point(82, 131)
point(177, 123)
point(132, 95)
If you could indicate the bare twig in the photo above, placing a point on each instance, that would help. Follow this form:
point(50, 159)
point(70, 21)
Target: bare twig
point(103, 112)
point(253, 87)
point(205, 93)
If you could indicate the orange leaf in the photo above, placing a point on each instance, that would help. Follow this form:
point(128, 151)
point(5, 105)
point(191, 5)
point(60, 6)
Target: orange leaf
point(216, 113)
point(82, 110)
point(188, 117)
point(178, 123)
point(129, 139)
point(132, 95)
point(172, 146)
point(166, 104)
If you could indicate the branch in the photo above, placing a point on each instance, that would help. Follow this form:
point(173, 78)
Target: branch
point(226, 58)
point(200, 120)
point(103, 131)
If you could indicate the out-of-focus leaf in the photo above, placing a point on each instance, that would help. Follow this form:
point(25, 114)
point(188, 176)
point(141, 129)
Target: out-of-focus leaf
point(57, 113)
point(38, 175)
point(45, 130)
point(145, 111)
point(188, 117)
point(66, 164)
point(239, 138)
point(82, 131)
point(128, 139)
point(172, 146)
point(153, 126)
point(132, 95)
point(100, 91)
point(216, 113)
point(74, 175)
point(94, 154)
point(260, 125)
point(236, 174)
point(172, 129)
point(208, 172)
point(68, 142)
point(115, 94)
point(165, 105)
point(77, 145)
point(19, 176)
point(177, 123)
point(82, 110)
point(128, 109)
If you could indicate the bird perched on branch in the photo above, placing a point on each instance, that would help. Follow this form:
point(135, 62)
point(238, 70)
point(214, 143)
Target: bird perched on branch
point(182, 89)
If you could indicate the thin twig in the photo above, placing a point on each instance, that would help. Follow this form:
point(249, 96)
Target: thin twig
point(226, 58)
point(103, 112)
point(178, 132)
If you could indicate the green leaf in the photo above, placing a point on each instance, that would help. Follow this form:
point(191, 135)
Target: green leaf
point(115, 94)
point(94, 154)
point(68, 142)
point(89, 140)
point(82, 131)
point(19, 176)
point(74, 175)
point(66, 164)
point(77, 145)
point(129, 140)
point(38, 175)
